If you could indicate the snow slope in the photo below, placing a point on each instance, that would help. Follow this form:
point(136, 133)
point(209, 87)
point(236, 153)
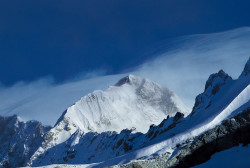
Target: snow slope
point(125, 105)
point(133, 103)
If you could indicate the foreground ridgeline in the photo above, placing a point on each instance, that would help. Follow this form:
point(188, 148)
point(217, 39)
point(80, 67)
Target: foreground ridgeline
point(135, 123)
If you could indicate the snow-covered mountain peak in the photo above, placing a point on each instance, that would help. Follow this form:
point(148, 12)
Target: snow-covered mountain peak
point(216, 87)
point(133, 103)
point(213, 85)
point(216, 79)
point(246, 70)
point(124, 105)
point(130, 79)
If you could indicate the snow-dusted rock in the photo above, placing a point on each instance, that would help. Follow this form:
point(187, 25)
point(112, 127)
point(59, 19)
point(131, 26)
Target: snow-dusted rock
point(97, 147)
point(231, 133)
point(212, 87)
point(19, 140)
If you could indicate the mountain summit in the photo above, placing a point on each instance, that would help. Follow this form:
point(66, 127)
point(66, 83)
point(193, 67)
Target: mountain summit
point(132, 100)
point(132, 103)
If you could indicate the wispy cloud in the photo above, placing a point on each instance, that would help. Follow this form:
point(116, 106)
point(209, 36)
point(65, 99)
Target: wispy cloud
point(183, 68)
point(44, 101)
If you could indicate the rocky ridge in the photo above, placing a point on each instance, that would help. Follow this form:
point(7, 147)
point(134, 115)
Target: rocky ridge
point(102, 146)
point(19, 140)
point(230, 133)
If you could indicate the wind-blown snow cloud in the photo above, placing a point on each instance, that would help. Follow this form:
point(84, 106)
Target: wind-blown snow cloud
point(187, 65)
point(183, 68)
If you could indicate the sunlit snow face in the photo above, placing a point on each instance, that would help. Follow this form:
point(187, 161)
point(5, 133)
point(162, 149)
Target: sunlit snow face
point(183, 70)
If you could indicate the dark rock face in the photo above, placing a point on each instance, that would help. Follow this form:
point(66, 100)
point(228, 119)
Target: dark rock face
point(19, 140)
point(123, 81)
point(229, 134)
point(178, 116)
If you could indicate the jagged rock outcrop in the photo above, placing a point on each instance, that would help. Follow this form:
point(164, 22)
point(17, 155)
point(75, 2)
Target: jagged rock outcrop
point(19, 140)
point(212, 87)
point(230, 133)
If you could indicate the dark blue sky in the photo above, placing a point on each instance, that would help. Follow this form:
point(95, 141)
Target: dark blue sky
point(62, 38)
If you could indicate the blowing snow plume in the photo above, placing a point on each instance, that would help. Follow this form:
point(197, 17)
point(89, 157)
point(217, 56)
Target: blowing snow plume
point(185, 63)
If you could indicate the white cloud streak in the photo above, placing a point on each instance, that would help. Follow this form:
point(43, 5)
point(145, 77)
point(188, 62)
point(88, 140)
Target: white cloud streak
point(186, 68)
point(44, 101)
